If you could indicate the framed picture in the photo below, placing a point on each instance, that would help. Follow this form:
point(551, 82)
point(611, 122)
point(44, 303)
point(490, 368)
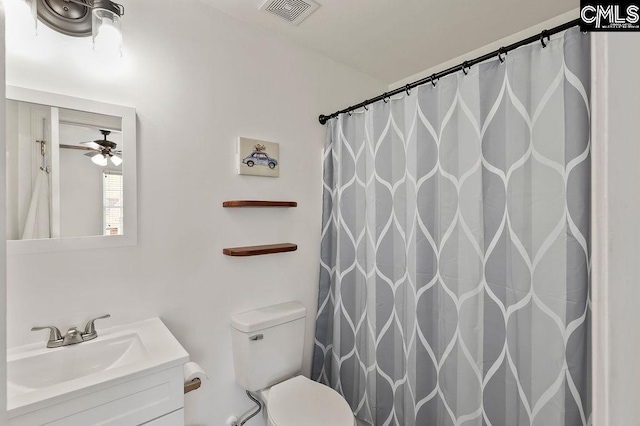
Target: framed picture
point(258, 158)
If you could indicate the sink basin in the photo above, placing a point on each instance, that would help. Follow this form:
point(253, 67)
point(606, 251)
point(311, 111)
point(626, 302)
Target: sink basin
point(38, 376)
point(55, 366)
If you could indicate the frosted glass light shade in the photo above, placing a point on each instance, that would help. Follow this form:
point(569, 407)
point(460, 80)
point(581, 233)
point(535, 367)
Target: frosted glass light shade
point(99, 159)
point(116, 160)
point(107, 33)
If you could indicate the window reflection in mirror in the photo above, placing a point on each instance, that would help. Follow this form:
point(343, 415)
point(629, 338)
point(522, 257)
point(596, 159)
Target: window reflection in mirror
point(64, 173)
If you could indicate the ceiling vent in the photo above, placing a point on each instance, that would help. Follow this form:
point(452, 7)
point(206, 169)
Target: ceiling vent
point(292, 11)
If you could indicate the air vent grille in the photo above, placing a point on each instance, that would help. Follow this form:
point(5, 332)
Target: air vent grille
point(293, 11)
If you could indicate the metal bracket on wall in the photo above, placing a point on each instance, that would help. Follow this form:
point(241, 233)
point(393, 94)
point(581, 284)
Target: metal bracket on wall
point(43, 151)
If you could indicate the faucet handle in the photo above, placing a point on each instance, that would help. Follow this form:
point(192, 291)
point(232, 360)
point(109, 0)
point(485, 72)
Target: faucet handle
point(55, 337)
point(90, 329)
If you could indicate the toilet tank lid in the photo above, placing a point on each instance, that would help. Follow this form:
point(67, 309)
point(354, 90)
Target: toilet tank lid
point(270, 316)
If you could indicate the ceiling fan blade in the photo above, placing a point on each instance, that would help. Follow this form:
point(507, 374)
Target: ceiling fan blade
point(92, 154)
point(92, 145)
point(79, 148)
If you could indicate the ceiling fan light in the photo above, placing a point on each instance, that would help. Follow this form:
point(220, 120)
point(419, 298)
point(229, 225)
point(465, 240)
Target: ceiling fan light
point(116, 160)
point(99, 159)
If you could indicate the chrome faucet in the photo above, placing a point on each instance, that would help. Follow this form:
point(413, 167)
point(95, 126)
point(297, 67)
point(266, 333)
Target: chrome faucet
point(73, 335)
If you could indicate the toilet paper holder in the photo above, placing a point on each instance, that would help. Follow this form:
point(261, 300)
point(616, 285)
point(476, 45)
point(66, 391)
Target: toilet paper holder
point(193, 376)
point(192, 385)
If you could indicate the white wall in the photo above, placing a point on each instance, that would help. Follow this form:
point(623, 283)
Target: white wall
point(513, 38)
point(199, 79)
point(81, 183)
point(13, 181)
point(616, 277)
point(3, 252)
point(81, 195)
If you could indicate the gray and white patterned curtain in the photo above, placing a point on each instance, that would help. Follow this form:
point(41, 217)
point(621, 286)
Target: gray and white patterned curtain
point(454, 284)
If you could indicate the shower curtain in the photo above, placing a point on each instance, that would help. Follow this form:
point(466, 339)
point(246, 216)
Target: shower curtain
point(38, 221)
point(454, 278)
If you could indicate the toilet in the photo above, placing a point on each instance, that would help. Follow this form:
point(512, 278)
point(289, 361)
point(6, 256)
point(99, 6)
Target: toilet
point(268, 344)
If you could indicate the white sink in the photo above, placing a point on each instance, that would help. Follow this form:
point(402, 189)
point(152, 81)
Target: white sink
point(38, 376)
point(41, 369)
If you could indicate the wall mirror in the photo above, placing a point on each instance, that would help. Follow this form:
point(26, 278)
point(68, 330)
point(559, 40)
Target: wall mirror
point(71, 173)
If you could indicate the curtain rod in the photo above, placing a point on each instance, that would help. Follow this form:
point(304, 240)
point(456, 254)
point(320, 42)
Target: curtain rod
point(464, 67)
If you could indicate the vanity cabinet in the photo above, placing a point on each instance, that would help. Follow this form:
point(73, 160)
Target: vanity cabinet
point(171, 419)
point(156, 399)
point(130, 375)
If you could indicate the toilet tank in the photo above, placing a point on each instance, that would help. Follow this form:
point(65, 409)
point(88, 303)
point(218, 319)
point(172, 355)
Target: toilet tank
point(268, 344)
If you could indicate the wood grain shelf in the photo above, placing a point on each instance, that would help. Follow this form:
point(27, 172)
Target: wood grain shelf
point(259, 250)
point(259, 203)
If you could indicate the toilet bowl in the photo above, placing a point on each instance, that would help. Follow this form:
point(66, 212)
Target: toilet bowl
point(268, 344)
point(300, 401)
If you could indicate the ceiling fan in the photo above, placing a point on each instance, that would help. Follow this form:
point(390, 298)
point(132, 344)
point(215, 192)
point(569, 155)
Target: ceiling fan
point(101, 150)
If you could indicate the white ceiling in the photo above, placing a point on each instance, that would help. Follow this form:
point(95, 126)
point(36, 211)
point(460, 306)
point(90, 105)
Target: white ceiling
point(393, 39)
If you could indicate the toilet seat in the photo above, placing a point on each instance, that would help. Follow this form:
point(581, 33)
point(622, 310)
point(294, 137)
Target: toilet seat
point(300, 401)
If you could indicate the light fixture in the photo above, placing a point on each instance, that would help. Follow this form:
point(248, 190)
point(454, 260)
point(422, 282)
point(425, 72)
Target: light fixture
point(82, 18)
point(115, 160)
point(107, 28)
point(99, 159)
point(101, 150)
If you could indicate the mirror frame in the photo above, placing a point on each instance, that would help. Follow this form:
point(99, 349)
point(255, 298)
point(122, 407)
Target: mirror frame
point(129, 170)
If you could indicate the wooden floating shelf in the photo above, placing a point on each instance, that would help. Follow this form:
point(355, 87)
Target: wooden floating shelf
point(259, 250)
point(258, 203)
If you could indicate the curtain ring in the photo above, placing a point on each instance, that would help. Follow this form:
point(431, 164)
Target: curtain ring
point(408, 90)
point(349, 112)
point(465, 67)
point(365, 108)
point(386, 99)
point(544, 34)
point(502, 54)
point(433, 80)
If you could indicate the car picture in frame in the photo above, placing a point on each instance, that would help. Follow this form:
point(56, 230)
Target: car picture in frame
point(258, 158)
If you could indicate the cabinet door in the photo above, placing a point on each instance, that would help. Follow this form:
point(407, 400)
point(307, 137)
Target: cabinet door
point(131, 403)
point(172, 419)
